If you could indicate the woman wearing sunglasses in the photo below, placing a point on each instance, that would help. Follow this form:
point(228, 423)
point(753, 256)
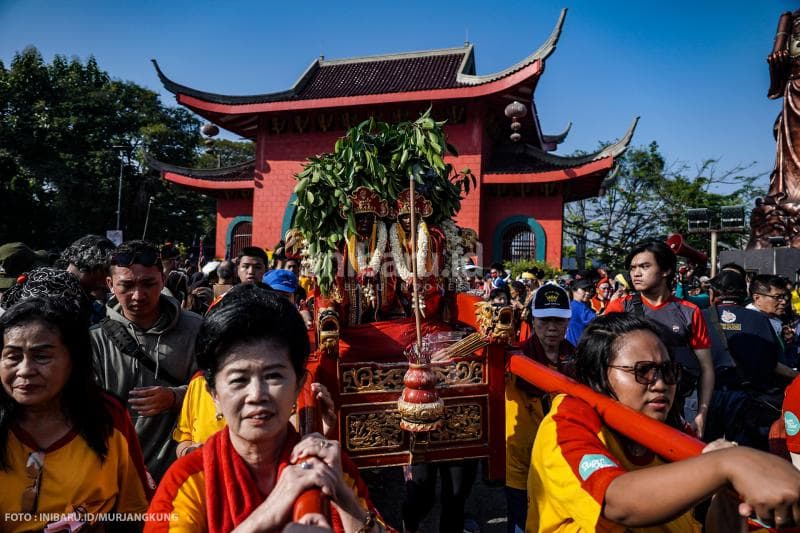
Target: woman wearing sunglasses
point(586, 477)
point(67, 449)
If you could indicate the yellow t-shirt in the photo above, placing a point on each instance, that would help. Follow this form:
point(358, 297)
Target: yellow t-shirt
point(525, 409)
point(575, 458)
point(73, 479)
point(198, 418)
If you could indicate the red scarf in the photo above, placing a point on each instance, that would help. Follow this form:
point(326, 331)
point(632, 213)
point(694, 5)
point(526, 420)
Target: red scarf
point(231, 490)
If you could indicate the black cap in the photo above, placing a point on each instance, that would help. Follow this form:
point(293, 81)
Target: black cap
point(583, 283)
point(729, 283)
point(551, 301)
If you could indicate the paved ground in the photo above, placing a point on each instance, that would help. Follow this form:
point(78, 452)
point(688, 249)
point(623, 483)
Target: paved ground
point(486, 504)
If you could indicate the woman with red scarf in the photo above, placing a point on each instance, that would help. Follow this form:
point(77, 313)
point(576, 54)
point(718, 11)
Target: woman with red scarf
point(247, 476)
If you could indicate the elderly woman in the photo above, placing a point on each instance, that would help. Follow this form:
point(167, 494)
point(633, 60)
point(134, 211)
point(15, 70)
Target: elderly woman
point(586, 477)
point(66, 448)
point(247, 476)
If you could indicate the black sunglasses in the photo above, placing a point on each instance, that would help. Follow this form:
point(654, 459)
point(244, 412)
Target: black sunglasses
point(145, 257)
point(648, 372)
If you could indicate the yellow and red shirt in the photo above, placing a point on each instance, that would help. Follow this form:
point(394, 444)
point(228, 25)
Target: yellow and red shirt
point(575, 458)
point(791, 415)
point(180, 503)
point(525, 409)
point(73, 478)
point(198, 418)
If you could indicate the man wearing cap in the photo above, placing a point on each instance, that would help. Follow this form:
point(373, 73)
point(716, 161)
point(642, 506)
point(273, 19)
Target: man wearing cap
point(526, 405)
point(582, 313)
point(144, 349)
point(745, 352)
point(15, 259)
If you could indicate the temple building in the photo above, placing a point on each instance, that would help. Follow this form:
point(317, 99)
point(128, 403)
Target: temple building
point(518, 206)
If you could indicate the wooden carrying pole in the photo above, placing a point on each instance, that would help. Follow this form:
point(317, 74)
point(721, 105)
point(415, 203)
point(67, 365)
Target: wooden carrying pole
point(310, 421)
point(414, 273)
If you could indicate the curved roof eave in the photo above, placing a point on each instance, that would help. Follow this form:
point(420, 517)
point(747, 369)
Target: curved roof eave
point(612, 150)
point(176, 89)
point(543, 52)
point(215, 178)
point(559, 137)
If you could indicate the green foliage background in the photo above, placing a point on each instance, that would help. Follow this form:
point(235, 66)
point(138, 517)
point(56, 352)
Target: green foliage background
point(59, 172)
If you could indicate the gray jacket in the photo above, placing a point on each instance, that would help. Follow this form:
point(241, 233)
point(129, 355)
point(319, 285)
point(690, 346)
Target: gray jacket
point(170, 342)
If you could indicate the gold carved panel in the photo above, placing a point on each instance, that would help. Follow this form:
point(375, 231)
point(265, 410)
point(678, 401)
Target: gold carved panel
point(373, 430)
point(390, 379)
point(462, 422)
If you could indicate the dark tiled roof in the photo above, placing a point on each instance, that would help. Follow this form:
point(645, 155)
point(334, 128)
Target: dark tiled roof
point(415, 73)
point(446, 68)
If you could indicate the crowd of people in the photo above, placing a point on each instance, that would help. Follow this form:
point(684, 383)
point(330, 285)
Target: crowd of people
point(134, 383)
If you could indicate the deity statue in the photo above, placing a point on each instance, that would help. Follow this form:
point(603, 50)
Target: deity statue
point(429, 252)
point(778, 213)
point(361, 280)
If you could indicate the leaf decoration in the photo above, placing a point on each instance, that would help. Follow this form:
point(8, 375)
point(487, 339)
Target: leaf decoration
point(382, 157)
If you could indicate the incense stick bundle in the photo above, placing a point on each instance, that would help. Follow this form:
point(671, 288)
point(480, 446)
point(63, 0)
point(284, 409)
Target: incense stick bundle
point(462, 348)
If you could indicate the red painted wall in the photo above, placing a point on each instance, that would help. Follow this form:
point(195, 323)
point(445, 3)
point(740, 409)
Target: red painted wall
point(227, 210)
point(279, 157)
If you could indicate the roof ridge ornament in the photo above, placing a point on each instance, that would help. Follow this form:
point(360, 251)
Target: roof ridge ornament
point(543, 52)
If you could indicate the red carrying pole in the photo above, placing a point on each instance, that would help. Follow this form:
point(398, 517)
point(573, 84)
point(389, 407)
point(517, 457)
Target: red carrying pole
point(665, 441)
point(312, 500)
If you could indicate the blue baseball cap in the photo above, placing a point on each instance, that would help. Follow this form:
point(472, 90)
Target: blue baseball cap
point(281, 280)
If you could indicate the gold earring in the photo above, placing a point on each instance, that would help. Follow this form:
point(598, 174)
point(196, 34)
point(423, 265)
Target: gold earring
point(219, 417)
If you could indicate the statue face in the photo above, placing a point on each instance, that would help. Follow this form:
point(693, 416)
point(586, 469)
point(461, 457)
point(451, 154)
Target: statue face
point(364, 222)
point(794, 39)
point(405, 222)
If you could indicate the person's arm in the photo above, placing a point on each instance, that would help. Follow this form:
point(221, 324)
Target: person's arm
point(767, 485)
point(706, 388)
point(785, 372)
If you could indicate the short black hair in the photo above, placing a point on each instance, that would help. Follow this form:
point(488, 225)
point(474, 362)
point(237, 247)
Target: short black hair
point(81, 399)
point(766, 282)
point(665, 257)
point(253, 251)
point(247, 313)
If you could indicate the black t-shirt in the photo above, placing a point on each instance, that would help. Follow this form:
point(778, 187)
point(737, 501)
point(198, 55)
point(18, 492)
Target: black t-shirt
point(751, 343)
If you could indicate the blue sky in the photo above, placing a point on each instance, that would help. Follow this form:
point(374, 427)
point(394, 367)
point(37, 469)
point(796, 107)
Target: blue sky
point(694, 71)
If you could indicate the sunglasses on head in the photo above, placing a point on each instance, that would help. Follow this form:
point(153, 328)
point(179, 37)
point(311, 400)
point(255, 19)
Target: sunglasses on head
point(648, 372)
point(143, 257)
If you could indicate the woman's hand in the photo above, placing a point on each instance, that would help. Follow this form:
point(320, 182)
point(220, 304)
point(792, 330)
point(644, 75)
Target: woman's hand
point(719, 444)
point(316, 447)
point(295, 479)
point(329, 419)
point(768, 486)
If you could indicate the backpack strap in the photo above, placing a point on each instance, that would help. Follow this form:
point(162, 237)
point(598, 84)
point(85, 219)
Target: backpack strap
point(127, 345)
point(637, 305)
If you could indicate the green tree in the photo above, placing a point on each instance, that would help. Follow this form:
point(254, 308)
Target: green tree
point(59, 169)
point(648, 199)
